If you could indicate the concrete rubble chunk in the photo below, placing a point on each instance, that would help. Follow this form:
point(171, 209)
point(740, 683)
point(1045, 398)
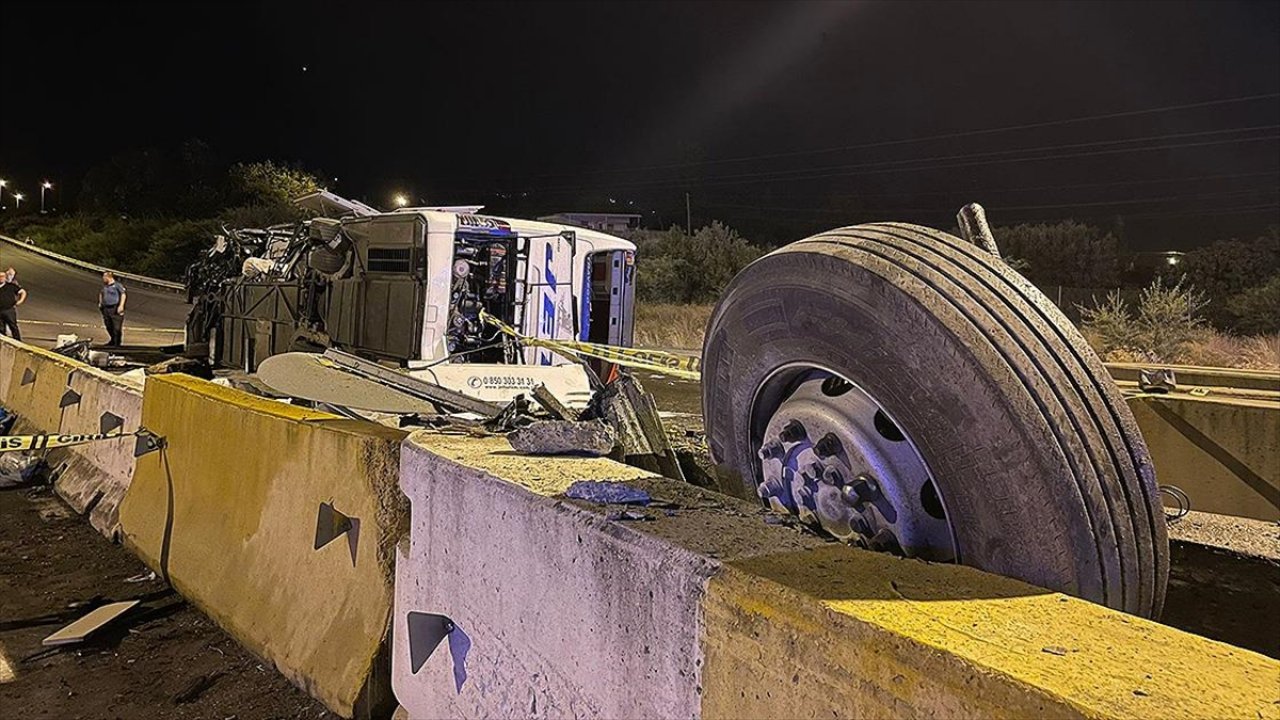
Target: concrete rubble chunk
point(561, 437)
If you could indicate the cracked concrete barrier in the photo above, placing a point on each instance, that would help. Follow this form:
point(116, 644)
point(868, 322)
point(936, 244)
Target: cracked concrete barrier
point(548, 608)
point(58, 395)
point(279, 523)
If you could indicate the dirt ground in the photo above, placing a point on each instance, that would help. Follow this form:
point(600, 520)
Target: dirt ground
point(165, 660)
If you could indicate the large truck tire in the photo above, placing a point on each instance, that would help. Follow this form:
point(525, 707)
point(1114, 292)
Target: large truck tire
point(907, 391)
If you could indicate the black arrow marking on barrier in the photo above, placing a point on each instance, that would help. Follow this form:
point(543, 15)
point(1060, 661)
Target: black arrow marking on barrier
point(147, 442)
point(69, 398)
point(28, 377)
point(109, 422)
point(331, 524)
point(426, 630)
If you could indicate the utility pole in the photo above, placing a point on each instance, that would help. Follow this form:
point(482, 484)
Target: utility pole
point(688, 216)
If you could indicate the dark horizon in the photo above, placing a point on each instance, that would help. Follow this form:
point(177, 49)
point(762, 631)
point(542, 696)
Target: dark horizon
point(776, 119)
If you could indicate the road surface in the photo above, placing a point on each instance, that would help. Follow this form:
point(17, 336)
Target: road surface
point(64, 300)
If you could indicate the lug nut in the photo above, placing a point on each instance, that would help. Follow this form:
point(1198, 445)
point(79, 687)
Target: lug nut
point(827, 446)
point(866, 488)
point(851, 496)
point(771, 449)
point(793, 431)
point(832, 476)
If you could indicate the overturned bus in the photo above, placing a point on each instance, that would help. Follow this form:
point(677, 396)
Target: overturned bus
point(409, 287)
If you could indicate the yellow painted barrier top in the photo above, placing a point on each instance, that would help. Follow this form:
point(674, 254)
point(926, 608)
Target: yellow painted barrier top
point(1102, 663)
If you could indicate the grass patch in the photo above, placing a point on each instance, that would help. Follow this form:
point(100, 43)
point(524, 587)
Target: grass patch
point(668, 326)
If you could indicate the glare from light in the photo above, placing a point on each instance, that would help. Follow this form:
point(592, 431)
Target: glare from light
point(19, 196)
point(1173, 259)
point(47, 185)
point(400, 200)
point(3, 183)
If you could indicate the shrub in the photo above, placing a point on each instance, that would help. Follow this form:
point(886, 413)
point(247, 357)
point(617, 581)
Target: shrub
point(674, 267)
point(1257, 310)
point(1167, 318)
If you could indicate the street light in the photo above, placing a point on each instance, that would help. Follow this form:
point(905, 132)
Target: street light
point(46, 185)
point(400, 200)
point(2, 184)
point(17, 200)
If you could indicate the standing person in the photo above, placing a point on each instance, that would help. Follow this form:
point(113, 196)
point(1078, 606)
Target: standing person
point(11, 296)
point(111, 302)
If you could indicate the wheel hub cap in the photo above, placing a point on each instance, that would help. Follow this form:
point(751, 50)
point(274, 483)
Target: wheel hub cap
point(832, 457)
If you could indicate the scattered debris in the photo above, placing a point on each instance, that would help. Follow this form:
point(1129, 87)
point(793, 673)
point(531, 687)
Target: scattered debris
point(142, 577)
point(552, 404)
point(623, 515)
point(75, 349)
point(84, 627)
point(1054, 650)
point(196, 688)
point(607, 493)
point(415, 386)
point(18, 469)
point(561, 437)
point(513, 415)
point(1157, 380)
point(631, 411)
point(199, 367)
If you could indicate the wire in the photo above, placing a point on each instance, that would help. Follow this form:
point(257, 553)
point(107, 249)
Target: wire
point(873, 169)
point(994, 206)
point(1256, 208)
point(1181, 498)
point(1076, 186)
point(928, 138)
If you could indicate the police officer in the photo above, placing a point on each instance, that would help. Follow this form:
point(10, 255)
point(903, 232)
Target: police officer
point(11, 296)
point(111, 302)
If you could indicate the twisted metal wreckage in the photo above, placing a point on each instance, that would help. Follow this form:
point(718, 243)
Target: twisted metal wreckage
point(423, 310)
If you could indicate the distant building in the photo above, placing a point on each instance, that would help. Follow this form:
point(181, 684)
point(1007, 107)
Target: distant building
point(604, 222)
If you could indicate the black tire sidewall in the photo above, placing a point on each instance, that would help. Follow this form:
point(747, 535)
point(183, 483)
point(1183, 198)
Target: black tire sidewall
point(1005, 488)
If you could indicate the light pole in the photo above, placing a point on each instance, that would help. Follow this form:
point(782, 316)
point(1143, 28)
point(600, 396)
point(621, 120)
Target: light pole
point(17, 200)
point(2, 184)
point(46, 185)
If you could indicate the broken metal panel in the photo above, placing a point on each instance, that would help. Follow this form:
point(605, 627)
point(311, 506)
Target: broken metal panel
point(89, 624)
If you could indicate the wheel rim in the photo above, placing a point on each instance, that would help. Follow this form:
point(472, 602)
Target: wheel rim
point(831, 455)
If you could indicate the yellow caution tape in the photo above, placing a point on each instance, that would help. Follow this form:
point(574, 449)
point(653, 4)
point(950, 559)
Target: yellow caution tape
point(658, 361)
point(10, 443)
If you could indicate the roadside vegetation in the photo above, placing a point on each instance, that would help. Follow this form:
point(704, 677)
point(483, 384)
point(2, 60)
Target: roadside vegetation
point(152, 212)
point(1220, 306)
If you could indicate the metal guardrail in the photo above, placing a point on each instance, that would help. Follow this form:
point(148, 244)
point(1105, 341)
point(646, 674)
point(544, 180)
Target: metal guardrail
point(130, 278)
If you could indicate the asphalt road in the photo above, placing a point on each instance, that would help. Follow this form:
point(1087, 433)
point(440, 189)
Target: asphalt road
point(64, 300)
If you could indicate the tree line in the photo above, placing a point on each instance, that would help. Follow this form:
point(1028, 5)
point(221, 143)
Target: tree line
point(152, 212)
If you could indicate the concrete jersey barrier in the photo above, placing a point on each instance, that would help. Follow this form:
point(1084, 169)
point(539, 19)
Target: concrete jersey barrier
point(713, 613)
point(58, 395)
point(280, 524)
point(127, 278)
point(1222, 450)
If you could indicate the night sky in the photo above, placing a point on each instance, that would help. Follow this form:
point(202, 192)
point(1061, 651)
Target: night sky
point(778, 119)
